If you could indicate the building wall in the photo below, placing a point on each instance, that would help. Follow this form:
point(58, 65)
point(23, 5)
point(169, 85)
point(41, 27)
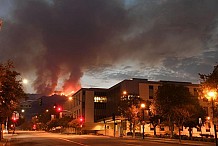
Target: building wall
point(131, 87)
point(144, 90)
point(89, 106)
point(82, 105)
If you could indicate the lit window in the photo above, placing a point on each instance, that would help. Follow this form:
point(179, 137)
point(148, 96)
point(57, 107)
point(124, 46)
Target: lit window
point(100, 99)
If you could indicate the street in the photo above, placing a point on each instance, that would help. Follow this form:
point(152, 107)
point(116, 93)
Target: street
point(36, 138)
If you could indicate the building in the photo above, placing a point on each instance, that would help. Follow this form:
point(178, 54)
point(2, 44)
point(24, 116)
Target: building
point(147, 91)
point(97, 106)
point(88, 104)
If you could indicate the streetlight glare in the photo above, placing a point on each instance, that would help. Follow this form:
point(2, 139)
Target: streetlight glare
point(212, 94)
point(25, 81)
point(124, 92)
point(142, 105)
point(70, 98)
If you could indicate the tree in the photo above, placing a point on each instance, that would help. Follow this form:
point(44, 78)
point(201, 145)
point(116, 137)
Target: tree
point(129, 108)
point(210, 83)
point(155, 120)
point(152, 115)
point(10, 90)
point(170, 100)
point(180, 115)
point(197, 112)
point(211, 80)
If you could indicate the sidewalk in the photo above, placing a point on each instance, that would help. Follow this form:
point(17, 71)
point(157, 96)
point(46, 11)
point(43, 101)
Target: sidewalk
point(168, 140)
point(6, 139)
point(3, 142)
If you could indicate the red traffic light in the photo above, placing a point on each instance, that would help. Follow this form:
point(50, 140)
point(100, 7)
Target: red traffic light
point(34, 127)
point(81, 119)
point(59, 109)
point(14, 119)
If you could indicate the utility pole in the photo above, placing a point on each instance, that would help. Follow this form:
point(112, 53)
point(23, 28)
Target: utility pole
point(214, 123)
point(114, 118)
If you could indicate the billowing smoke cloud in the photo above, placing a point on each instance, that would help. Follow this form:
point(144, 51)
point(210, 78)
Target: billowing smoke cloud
point(64, 38)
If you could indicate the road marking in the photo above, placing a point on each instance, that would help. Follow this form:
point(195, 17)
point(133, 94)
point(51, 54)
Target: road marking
point(134, 144)
point(129, 144)
point(73, 141)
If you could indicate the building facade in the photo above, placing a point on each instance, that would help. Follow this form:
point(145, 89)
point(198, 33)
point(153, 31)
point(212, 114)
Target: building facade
point(97, 107)
point(89, 104)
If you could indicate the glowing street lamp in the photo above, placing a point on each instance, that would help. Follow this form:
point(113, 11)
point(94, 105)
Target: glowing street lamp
point(143, 118)
point(212, 95)
point(25, 81)
point(143, 105)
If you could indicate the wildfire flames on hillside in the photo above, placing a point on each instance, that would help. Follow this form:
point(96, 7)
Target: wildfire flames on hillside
point(62, 93)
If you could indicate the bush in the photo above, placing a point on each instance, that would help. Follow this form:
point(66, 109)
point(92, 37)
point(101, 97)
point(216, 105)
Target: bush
point(175, 136)
point(197, 138)
point(185, 137)
point(147, 135)
point(129, 134)
point(138, 134)
point(207, 135)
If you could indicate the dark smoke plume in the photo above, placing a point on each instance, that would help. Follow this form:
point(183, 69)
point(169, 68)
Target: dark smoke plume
point(58, 38)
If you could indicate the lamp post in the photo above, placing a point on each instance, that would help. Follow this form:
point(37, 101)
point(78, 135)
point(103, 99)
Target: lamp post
point(143, 118)
point(212, 96)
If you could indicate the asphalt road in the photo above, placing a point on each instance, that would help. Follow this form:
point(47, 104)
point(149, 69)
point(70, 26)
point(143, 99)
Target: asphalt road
point(28, 138)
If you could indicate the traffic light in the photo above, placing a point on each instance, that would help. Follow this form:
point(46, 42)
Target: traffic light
point(34, 126)
point(14, 119)
point(40, 101)
point(59, 109)
point(81, 119)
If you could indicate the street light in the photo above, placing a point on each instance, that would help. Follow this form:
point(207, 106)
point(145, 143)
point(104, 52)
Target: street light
point(70, 98)
point(211, 95)
point(143, 118)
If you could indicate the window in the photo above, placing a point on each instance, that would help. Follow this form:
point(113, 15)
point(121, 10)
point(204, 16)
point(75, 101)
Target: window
point(171, 127)
point(100, 99)
point(151, 127)
point(195, 92)
point(181, 128)
point(161, 128)
point(151, 92)
point(208, 126)
point(199, 129)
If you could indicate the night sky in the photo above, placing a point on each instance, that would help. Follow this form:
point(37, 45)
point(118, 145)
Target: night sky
point(68, 44)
